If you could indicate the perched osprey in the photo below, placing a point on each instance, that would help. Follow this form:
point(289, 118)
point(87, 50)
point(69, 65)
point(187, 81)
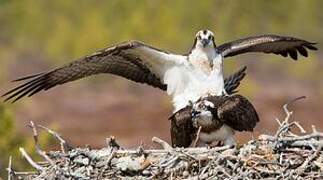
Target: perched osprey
point(185, 77)
point(217, 116)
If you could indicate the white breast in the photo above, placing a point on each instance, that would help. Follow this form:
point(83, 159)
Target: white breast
point(225, 134)
point(187, 82)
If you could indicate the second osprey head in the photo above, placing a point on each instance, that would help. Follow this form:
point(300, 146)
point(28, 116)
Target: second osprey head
point(204, 38)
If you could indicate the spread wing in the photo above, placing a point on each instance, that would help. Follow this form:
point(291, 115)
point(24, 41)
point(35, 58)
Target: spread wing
point(132, 60)
point(280, 45)
point(238, 113)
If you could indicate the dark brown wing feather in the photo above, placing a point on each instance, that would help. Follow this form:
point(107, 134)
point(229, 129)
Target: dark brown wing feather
point(238, 113)
point(111, 60)
point(235, 111)
point(232, 82)
point(182, 130)
point(280, 45)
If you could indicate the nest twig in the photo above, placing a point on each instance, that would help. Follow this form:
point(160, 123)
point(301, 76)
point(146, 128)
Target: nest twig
point(284, 155)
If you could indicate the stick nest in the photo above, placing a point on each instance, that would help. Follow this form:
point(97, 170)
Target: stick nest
point(284, 155)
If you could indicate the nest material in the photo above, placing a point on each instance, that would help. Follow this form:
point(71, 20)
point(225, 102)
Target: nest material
point(284, 155)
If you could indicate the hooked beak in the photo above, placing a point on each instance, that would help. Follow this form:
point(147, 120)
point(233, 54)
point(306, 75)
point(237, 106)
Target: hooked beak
point(205, 42)
point(195, 113)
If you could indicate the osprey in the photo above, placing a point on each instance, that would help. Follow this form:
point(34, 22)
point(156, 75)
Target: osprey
point(217, 116)
point(185, 77)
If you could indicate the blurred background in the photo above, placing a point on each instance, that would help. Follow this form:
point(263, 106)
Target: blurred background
point(39, 35)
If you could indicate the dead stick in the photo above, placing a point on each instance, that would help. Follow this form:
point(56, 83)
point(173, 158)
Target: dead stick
point(197, 150)
point(26, 173)
point(162, 143)
point(316, 135)
point(9, 169)
point(285, 126)
point(38, 150)
point(290, 102)
point(197, 136)
point(63, 143)
point(30, 161)
point(309, 159)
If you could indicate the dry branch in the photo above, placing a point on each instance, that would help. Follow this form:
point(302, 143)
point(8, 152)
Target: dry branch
point(30, 160)
point(64, 145)
point(38, 150)
point(9, 169)
point(162, 143)
point(284, 155)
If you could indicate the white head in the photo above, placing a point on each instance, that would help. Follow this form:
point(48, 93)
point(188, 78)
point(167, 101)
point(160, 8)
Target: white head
point(204, 39)
point(201, 113)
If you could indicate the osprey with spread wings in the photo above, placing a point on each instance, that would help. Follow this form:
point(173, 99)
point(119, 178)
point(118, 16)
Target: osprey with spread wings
point(186, 78)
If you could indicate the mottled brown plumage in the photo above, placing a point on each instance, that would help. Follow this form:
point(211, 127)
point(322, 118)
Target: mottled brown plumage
point(234, 111)
point(182, 130)
point(115, 60)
